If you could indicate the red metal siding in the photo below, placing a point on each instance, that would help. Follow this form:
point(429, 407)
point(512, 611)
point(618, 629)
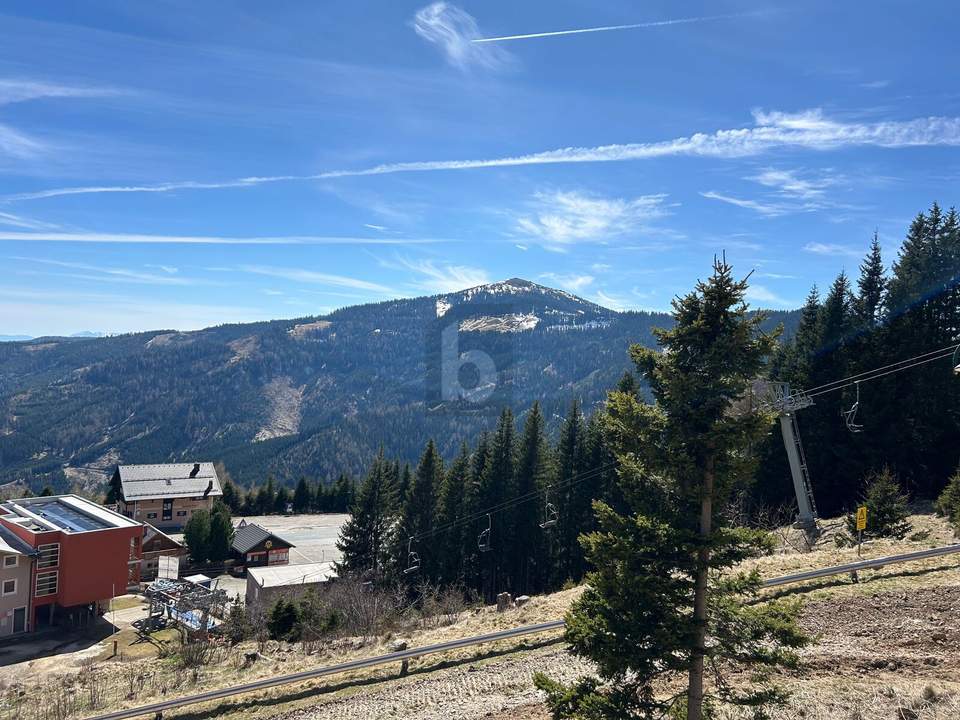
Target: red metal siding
point(93, 566)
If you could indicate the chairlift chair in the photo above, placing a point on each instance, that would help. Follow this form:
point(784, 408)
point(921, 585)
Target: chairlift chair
point(483, 542)
point(850, 416)
point(413, 559)
point(550, 514)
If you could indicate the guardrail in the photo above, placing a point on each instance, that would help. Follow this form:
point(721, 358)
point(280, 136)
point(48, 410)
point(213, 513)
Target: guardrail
point(862, 565)
point(158, 708)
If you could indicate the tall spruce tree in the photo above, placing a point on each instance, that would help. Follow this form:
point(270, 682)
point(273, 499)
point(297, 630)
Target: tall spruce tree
point(533, 475)
point(367, 537)
point(451, 510)
point(302, 496)
point(650, 608)
point(574, 499)
point(419, 511)
point(496, 486)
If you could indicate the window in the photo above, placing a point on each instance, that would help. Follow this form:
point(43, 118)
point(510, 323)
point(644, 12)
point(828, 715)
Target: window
point(46, 583)
point(181, 513)
point(151, 516)
point(48, 556)
point(10, 560)
point(9, 587)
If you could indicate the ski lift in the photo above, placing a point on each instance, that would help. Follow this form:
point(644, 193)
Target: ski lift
point(550, 514)
point(413, 559)
point(956, 361)
point(850, 416)
point(483, 542)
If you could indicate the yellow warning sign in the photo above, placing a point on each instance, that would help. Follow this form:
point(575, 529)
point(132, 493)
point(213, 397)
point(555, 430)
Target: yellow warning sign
point(862, 517)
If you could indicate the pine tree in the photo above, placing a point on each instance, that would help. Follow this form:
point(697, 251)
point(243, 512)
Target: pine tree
point(574, 500)
point(496, 486)
point(196, 534)
point(230, 496)
point(367, 537)
point(450, 513)
point(281, 500)
point(649, 607)
point(220, 539)
point(302, 496)
point(886, 505)
point(871, 287)
point(419, 508)
point(533, 476)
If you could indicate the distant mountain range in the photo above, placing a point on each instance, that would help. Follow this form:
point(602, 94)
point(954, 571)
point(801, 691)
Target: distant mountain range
point(313, 396)
point(21, 338)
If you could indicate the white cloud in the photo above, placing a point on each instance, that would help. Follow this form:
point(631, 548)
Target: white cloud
point(25, 222)
point(100, 273)
point(96, 237)
point(454, 31)
point(570, 282)
point(565, 218)
point(875, 84)
point(760, 294)
point(809, 130)
point(601, 267)
point(608, 28)
point(444, 278)
point(21, 90)
point(769, 209)
point(819, 248)
point(610, 301)
point(520, 246)
point(300, 275)
point(166, 268)
point(774, 276)
point(790, 184)
point(380, 228)
point(16, 145)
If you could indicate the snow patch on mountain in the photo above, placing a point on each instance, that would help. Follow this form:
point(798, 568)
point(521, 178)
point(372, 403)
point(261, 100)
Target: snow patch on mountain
point(512, 322)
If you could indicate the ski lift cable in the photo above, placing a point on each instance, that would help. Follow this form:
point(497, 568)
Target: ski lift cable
point(877, 375)
point(574, 480)
point(499, 507)
point(949, 348)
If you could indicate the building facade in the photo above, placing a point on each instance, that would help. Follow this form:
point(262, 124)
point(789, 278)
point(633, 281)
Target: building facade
point(254, 546)
point(81, 556)
point(16, 571)
point(157, 544)
point(266, 584)
point(167, 495)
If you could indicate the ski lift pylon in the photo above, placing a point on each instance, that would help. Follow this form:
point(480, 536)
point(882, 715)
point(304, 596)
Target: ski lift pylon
point(850, 416)
point(413, 559)
point(483, 542)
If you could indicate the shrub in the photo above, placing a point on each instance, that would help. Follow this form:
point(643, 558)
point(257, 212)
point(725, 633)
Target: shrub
point(284, 620)
point(886, 507)
point(948, 504)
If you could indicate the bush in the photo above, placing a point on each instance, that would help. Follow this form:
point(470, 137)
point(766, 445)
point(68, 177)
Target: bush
point(283, 621)
point(948, 504)
point(886, 508)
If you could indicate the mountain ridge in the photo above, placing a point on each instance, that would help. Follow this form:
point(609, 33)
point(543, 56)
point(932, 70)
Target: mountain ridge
point(316, 395)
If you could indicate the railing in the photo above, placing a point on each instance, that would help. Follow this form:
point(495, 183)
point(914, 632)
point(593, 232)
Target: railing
point(160, 707)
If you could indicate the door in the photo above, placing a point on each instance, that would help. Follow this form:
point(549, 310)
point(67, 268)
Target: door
point(20, 620)
point(168, 509)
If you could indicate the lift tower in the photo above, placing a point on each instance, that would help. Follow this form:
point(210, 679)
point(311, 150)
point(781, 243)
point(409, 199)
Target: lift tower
point(777, 398)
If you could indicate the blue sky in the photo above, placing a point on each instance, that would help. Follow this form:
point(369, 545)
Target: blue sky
point(180, 164)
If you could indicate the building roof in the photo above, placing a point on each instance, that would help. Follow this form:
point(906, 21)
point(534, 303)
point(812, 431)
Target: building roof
point(67, 513)
point(170, 480)
point(248, 535)
point(282, 575)
point(10, 544)
point(150, 532)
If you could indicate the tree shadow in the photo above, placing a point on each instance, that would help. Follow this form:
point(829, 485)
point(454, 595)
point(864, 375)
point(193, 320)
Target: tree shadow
point(266, 702)
point(51, 641)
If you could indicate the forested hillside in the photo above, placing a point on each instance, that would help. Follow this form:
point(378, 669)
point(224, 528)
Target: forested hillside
point(507, 513)
point(315, 396)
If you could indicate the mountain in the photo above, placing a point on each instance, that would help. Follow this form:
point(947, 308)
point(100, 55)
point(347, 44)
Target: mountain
point(14, 338)
point(313, 396)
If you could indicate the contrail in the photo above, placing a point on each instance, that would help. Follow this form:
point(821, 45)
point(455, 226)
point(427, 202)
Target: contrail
point(605, 28)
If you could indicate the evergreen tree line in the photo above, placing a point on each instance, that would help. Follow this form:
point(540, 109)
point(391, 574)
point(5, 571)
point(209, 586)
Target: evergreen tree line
point(909, 421)
point(307, 497)
point(442, 507)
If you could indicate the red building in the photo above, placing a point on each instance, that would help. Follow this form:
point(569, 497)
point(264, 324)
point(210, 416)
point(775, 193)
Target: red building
point(85, 554)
